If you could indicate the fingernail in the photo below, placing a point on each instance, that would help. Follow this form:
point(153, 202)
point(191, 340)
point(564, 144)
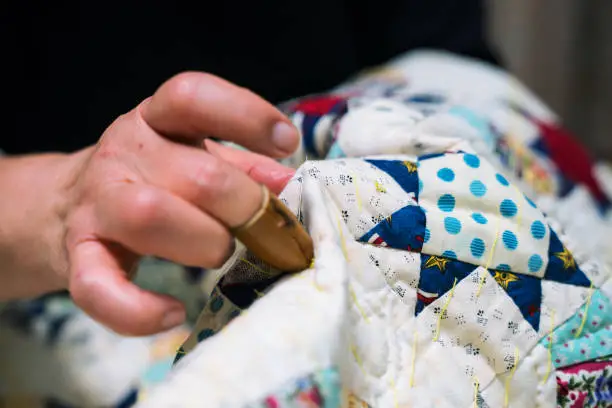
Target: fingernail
point(285, 137)
point(173, 318)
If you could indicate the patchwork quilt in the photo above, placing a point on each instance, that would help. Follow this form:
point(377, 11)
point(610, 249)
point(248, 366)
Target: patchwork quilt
point(462, 258)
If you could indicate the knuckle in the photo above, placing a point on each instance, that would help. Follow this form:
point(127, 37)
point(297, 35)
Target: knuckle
point(182, 89)
point(143, 209)
point(211, 179)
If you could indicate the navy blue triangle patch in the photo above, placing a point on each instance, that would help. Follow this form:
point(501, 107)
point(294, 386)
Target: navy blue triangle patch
point(438, 274)
point(308, 127)
point(562, 266)
point(430, 156)
point(525, 291)
point(404, 229)
point(403, 172)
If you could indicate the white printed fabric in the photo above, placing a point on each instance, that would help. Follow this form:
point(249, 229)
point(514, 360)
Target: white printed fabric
point(462, 259)
point(451, 248)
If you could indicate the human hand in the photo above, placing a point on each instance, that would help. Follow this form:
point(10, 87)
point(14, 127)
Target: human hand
point(153, 185)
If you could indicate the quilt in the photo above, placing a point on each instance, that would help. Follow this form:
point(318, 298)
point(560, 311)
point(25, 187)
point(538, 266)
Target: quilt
point(462, 259)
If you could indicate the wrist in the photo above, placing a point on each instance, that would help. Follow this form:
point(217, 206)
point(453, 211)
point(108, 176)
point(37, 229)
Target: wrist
point(39, 191)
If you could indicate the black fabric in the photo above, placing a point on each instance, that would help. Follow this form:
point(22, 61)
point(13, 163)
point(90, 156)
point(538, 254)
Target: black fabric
point(69, 68)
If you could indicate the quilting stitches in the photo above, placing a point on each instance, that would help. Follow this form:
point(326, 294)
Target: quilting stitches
point(403, 172)
point(525, 291)
point(482, 333)
point(464, 198)
point(437, 277)
point(595, 339)
point(400, 269)
point(365, 194)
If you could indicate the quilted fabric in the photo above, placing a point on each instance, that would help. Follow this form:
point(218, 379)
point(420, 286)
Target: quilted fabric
point(462, 260)
point(450, 269)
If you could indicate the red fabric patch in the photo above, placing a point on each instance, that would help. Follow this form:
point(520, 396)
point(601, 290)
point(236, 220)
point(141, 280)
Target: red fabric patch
point(318, 105)
point(570, 157)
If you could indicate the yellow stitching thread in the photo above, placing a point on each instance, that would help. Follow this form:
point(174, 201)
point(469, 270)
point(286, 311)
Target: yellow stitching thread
point(342, 241)
point(448, 299)
point(476, 387)
point(258, 293)
point(550, 343)
point(484, 275)
point(412, 364)
point(482, 281)
point(356, 302)
point(586, 312)
point(357, 358)
point(507, 387)
point(394, 392)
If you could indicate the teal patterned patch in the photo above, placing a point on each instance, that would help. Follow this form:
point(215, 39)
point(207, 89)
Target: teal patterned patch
point(321, 389)
point(572, 345)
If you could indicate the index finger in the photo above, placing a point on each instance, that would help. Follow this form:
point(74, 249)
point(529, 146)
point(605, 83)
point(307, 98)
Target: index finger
point(195, 105)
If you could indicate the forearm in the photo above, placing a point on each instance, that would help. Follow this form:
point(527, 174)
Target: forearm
point(34, 194)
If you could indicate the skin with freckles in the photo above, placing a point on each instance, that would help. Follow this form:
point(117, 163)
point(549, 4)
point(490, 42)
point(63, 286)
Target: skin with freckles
point(152, 185)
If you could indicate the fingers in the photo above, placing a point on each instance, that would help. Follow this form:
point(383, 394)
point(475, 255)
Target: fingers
point(260, 168)
point(99, 286)
point(150, 221)
point(211, 184)
point(195, 105)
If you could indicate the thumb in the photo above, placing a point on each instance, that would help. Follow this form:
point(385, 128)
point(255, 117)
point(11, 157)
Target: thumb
point(100, 287)
point(260, 168)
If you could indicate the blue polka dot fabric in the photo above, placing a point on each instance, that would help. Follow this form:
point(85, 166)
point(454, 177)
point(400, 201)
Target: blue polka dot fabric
point(469, 215)
point(473, 211)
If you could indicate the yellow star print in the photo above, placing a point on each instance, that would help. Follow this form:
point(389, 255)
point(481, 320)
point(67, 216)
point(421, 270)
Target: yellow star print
point(412, 167)
point(380, 188)
point(504, 278)
point(436, 261)
point(567, 258)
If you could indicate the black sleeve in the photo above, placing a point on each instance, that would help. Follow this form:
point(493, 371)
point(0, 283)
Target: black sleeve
point(386, 28)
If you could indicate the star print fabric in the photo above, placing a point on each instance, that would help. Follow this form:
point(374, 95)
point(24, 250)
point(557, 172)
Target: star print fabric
point(462, 258)
point(443, 275)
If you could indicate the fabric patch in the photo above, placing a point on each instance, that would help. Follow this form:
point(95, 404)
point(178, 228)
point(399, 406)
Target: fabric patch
point(585, 385)
point(476, 121)
point(220, 310)
point(365, 194)
point(321, 390)
point(404, 229)
point(401, 270)
point(477, 215)
point(438, 275)
point(525, 291)
point(315, 117)
point(527, 165)
point(574, 342)
point(335, 152)
point(559, 303)
point(562, 266)
point(404, 172)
